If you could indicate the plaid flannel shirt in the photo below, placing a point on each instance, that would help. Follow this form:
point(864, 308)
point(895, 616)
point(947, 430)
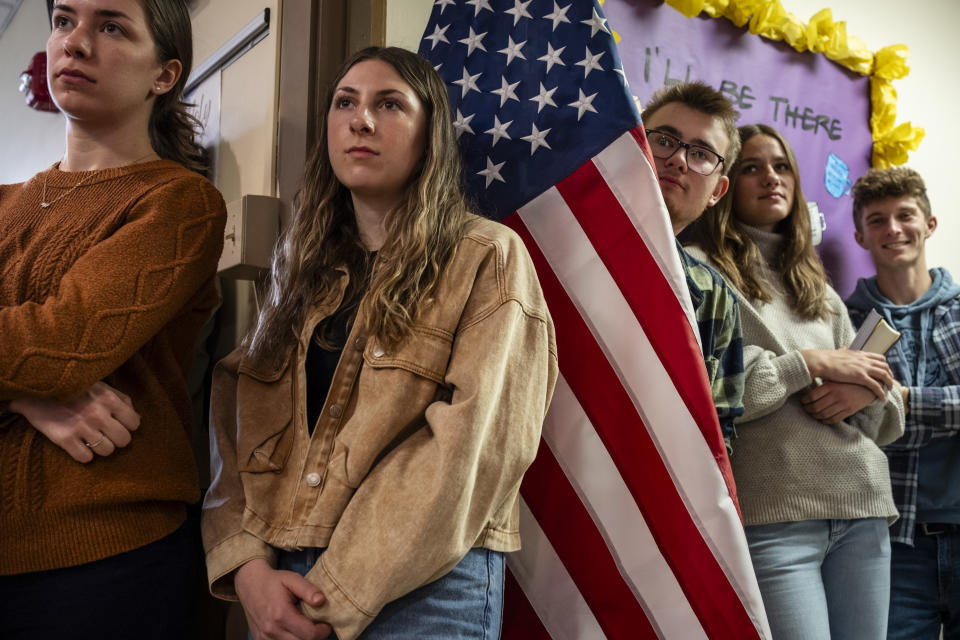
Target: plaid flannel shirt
point(934, 412)
point(721, 336)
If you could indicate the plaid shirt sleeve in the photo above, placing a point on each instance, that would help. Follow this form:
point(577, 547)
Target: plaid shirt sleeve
point(934, 412)
point(721, 336)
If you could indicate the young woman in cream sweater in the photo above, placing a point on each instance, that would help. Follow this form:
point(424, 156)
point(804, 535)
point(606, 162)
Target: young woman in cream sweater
point(813, 483)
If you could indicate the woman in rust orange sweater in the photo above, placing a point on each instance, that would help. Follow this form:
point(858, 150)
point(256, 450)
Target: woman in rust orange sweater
point(106, 277)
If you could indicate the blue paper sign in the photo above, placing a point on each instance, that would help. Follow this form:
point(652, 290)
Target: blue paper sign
point(836, 176)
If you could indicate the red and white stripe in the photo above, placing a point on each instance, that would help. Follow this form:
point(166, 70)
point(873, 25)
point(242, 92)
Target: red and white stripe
point(629, 524)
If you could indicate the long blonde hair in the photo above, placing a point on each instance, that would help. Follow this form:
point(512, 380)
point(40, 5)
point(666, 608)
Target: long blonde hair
point(421, 233)
point(721, 235)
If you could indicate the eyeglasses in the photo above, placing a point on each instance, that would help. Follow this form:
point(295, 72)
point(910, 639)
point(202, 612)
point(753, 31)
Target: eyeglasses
point(699, 159)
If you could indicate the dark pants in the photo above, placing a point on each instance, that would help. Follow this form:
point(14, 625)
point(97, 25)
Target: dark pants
point(925, 588)
point(144, 594)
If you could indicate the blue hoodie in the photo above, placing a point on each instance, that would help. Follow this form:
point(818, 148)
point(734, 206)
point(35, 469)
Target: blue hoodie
point(938, 494)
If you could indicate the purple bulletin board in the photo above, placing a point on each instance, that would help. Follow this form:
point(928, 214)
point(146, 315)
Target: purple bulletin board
point(822, 109)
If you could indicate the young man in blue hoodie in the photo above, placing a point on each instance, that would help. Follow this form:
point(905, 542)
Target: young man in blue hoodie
point(893, 221)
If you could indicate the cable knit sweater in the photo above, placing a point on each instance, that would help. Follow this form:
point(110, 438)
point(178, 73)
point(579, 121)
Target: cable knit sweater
point(787, 465)
point(112, 282)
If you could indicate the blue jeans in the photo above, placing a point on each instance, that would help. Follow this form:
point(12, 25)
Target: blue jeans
point(465, 603)
point(925, 588)
point(823, 579)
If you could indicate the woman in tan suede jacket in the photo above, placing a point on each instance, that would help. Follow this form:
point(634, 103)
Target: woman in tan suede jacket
point(373, 430)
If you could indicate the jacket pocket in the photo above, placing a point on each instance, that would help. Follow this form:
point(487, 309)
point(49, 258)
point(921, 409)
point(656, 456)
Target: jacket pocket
point(264, 419)
point(337, 489)
point(426, 353)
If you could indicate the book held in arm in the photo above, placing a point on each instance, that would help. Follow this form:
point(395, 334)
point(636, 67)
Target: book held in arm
point(875, 335)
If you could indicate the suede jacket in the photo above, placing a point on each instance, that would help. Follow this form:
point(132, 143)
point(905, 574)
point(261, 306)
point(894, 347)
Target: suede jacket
point(419, 451)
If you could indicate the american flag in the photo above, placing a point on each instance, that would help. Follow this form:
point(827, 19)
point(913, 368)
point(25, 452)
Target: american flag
point(628, 517)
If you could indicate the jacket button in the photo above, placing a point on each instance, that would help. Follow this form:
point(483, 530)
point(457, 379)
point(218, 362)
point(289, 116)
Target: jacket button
point(313, 479)
point(336, 410)
point(378, 352)
point(360, 343)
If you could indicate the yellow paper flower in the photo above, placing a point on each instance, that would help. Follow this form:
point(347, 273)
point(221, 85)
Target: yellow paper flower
point(819, 29)
point(739, 11)
point(883, 110)
point(891, 142)
point(689, 8)
point(893, 147)
point(794, 32)
point(852, 53)
point(892, 62)
point(716, 8)
point(768, 21)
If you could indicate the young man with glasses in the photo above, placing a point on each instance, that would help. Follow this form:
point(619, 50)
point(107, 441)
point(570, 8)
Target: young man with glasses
point(692, 132)
point(891, 214)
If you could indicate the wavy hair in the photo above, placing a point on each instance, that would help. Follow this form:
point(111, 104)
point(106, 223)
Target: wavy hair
point(721, 235)
point(879, 184)
point(173, 130)
point(422, 232)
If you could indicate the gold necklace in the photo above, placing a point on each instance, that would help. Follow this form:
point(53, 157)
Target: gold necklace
point(44, 203)
point(43, 197)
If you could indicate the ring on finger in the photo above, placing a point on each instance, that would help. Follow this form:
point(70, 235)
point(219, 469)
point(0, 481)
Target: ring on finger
point(93, 445)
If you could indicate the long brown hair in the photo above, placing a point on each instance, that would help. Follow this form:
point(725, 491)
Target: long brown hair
point(421, 232)
point(721, 235)
point(172, 128)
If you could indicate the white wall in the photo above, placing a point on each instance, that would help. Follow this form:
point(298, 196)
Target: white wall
point(29, 140)
point(927, 96)
point(406, 20)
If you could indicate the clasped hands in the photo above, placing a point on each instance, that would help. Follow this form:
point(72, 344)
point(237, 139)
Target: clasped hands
point(97, 421)
point(851, 381)
point(271, 598)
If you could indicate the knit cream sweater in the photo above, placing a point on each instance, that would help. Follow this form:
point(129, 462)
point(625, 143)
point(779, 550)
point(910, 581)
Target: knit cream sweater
point(787, 465)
